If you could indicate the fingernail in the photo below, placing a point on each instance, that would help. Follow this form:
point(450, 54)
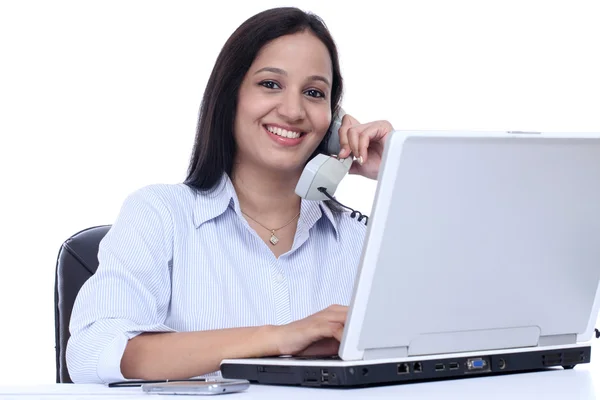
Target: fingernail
point(360, 160)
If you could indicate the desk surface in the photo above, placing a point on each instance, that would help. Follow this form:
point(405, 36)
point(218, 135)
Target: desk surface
point(581, 383)
point(556, 384)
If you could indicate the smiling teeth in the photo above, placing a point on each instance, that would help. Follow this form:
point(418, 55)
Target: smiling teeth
point(283, 132)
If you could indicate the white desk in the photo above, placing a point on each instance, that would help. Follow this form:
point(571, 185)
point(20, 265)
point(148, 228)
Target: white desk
point(558, 384)
point(581, 383)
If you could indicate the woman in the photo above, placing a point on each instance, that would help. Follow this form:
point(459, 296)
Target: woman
point(188, 274)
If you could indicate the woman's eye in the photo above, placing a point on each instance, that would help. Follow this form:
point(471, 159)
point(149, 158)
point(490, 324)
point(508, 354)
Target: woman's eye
point(269, 84)
point(314, 93)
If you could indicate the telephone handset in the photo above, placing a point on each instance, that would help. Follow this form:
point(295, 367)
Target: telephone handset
point(325, 170)
point(322, 175)
point(333, 141)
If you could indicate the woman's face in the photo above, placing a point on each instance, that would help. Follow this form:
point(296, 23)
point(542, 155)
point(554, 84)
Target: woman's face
point(284, 108)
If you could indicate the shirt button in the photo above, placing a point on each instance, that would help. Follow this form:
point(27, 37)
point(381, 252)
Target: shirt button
point(279, 278)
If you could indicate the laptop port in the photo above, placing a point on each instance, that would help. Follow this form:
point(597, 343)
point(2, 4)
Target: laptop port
point(418, 367)
point(477, 364)
point(324, 375)
point(453, 366)
point(403, 369)
point(440, 367)
point(501, 363)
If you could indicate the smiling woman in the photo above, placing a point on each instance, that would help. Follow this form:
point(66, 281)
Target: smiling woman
point(283, 108)
point(232, 263)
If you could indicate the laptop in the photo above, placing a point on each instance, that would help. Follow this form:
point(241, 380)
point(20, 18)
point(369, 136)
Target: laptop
point(482, 256)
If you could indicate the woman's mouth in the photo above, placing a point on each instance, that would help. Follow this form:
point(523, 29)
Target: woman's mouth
point(284, 136)
point(283, 132)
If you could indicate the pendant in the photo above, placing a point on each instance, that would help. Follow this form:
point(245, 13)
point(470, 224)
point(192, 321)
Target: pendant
point(274, 240)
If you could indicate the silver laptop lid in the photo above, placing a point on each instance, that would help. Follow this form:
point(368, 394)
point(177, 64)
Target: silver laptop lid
point(479, 241)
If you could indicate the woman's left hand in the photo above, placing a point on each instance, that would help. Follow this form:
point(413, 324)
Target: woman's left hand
point(365, 142)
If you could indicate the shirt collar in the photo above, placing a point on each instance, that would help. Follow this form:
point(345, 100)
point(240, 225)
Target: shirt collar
point(211, 204)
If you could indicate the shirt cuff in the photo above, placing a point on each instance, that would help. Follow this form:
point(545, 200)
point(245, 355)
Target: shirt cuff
point(109, 362)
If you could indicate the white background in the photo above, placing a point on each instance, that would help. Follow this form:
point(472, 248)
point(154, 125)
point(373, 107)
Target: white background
point(98, 98)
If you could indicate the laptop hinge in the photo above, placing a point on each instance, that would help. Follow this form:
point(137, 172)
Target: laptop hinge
point(477, 340)
point(558, 340)
point(389, 352)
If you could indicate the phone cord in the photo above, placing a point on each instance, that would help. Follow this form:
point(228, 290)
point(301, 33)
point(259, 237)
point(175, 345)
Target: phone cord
point(354, 214)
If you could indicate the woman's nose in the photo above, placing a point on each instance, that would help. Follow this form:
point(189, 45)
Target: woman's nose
point(292, 108)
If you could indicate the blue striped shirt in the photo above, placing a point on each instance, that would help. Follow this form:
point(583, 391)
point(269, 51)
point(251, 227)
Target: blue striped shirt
point(179, 260)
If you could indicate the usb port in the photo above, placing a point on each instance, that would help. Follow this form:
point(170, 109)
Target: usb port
point(440, 367)
point(453, 366)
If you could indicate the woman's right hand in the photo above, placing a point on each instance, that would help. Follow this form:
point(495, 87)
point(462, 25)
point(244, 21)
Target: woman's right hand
point(317, 334)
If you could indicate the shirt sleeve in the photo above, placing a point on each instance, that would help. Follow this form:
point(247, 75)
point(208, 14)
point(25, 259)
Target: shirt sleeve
point(129, 293)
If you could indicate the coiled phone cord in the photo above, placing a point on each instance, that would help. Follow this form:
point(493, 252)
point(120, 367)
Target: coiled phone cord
point(355, 214)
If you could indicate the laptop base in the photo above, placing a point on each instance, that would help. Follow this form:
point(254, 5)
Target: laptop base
point(360, 375)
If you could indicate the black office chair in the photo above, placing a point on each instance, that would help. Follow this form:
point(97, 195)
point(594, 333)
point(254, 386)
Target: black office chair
point(77, 261)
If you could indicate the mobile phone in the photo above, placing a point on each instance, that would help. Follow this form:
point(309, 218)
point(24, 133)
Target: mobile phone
point(197, 388)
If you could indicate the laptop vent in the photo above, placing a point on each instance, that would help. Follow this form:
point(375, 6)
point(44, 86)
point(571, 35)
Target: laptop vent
point(563, 358)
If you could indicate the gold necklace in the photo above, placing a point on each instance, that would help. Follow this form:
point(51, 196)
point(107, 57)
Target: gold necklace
point(274, 239)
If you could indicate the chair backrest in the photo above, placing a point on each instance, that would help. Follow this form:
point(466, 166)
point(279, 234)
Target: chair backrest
point(77, 262)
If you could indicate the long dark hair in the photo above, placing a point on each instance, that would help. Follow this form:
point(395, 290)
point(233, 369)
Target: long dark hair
point(214, 147)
